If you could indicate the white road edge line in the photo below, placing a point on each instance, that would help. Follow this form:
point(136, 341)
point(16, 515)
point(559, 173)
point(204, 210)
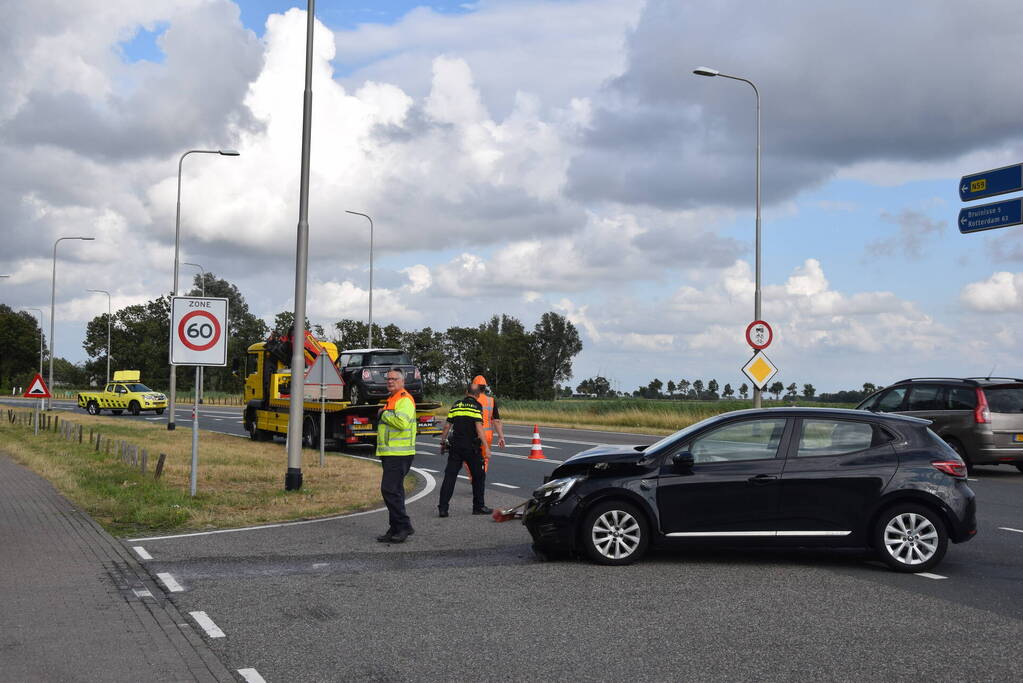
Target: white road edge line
point(141, 552)
point(462, 476)
point(507, 486)
point(251, 676)
point(1009, 528)
point(204, 621)
point(168, 580)
point(927, 575)
point(431, 484)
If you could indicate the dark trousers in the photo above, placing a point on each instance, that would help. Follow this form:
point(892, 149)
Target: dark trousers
point(473, 459)
point(392, 488)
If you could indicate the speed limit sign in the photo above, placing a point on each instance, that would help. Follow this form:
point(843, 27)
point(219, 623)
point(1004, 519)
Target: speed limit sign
point(198, 331)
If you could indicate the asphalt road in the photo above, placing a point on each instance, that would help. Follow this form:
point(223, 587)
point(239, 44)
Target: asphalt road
point(465, 599)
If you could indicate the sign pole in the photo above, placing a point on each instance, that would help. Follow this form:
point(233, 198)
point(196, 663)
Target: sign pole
point(37, 403)
point(195, 436)
point(323, 421)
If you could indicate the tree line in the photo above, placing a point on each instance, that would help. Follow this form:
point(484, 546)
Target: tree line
point(517, 362)
point(697, 390)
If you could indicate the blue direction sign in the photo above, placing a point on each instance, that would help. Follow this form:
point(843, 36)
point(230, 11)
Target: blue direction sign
point(991, 216)
point(991, 183)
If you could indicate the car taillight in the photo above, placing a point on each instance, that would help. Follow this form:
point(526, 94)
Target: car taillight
point(981, 414)
point(417, 375)
point(367, 375)
point(953, 468)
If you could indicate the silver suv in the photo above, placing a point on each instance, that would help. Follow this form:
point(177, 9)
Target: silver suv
point(980, 417)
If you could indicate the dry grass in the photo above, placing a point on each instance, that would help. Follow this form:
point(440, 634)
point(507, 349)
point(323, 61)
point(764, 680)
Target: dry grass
point(240, 482)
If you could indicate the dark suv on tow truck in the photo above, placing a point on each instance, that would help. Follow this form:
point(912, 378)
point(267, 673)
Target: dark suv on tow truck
point(364, 370)
point(981, 418)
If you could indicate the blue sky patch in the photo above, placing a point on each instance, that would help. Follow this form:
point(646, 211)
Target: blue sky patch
point(143, 46)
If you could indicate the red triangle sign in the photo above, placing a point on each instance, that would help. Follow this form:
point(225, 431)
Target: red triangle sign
point(37, 388)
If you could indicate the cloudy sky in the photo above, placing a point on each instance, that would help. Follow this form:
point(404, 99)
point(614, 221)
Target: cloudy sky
point(520, 156)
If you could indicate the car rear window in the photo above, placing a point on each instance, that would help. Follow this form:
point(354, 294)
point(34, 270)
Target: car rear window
point(1005, 399)
point(388, 359)
point(962, 398)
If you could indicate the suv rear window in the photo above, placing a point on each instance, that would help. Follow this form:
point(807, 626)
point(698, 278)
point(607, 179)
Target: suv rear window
point(962, 398)
point(1005, 399)
point(387, 359)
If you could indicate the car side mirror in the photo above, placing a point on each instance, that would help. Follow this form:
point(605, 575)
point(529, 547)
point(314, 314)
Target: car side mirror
point(683, 461)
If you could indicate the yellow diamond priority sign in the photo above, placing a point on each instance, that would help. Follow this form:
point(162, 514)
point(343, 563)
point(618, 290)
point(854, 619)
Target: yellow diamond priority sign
point(760, 369)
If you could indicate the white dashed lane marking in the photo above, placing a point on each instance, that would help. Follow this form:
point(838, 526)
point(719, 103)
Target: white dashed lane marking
point(142, 553)
point(204, 621)
point(168, 580)
point(143, 593)
point(425, 469)
point(1009, 528)
point(506, 486)
point(251, 676)
point(931, 576)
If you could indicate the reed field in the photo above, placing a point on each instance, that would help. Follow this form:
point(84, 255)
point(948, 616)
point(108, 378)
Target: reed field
point(240, 482)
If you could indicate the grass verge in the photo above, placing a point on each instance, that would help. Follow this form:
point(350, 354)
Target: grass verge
point(240, 482)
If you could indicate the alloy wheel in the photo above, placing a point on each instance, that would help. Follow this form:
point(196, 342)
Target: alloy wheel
point(910, 538)
point(616, 534)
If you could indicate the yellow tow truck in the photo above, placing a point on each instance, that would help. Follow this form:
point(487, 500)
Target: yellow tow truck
point(124, 393)
point(268, 395)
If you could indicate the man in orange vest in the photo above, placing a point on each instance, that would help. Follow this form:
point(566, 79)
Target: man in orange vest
point(491, 419)
point(396, 446)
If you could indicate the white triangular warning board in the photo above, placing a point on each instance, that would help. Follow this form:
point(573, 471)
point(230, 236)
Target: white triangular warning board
point(37, 388)
point(324, 372)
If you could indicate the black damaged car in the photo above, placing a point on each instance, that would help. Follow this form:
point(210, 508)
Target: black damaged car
point(781, 476)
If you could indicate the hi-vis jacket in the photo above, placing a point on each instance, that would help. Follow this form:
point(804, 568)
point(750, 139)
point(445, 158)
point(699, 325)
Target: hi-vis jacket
point(396, 432)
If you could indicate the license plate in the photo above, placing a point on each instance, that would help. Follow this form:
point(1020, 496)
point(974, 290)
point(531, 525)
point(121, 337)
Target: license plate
point(1018, 438)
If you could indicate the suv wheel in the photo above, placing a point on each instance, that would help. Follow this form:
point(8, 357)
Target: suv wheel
point(961, 452)
point(614, 533)
point(92, 408)
point(910, 538)
point(134, 408)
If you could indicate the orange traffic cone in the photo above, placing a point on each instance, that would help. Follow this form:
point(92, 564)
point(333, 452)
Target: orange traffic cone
point(536, 452)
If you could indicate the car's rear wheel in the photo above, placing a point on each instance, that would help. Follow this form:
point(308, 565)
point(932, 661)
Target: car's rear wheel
point(355, 396)
point(159, 411)
point(961, 452)
point(910, 538)
point(310, 433)
point(615, 533)
point(92, 408)
point(134, 408)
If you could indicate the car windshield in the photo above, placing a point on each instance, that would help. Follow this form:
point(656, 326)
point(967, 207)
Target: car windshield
point(393, 358)
point(138, 386)
point(672, 439)
point(1005, 399)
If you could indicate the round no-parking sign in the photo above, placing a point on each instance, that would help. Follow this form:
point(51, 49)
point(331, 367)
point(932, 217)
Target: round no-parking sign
point(198, 327)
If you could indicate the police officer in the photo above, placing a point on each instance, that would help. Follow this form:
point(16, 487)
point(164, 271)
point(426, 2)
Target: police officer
point(396, 444)
point(465, 427)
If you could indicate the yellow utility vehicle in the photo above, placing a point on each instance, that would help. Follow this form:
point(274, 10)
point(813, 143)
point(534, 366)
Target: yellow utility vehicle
point(268, 395)
point(124, 393)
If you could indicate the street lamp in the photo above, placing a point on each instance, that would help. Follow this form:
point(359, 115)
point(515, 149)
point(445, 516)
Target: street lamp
point(103, 291)
point(199, 368)
point(707, 71)
point(40, 312)
point(53, 302)
point(356, 213)
point(177, 248)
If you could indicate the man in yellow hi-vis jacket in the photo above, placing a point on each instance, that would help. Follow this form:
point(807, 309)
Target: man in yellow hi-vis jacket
point(396, 445)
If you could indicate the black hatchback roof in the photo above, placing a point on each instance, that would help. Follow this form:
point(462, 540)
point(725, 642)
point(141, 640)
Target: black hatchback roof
point(793, 411)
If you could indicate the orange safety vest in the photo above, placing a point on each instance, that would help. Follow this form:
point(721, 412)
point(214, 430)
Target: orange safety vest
point(392, 400)
point(487, 403)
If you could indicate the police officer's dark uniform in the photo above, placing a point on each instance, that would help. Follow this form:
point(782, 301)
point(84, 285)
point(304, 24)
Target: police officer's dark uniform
point(465, 420)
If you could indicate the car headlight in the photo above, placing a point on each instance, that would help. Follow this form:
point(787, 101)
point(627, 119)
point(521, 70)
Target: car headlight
point(556, 489)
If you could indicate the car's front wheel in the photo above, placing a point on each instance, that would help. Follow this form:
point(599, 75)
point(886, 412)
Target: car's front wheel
point(159, 411)
point(134, 408)
point(355, 396)
point(910, 538)
point(92, 408)
point(615, 533)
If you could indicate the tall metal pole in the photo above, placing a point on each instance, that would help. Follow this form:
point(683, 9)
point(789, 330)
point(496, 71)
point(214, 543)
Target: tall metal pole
point(705, 71)
point(172, 393)
point(103, 291)
point(202, 292)
point(293, 477)
point(53, 302)
point(370, 342)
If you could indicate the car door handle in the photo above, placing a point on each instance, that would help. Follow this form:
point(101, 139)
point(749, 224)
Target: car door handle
point(762, 478)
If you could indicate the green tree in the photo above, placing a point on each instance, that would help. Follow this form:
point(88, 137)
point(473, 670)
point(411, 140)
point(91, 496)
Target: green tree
point(743, 390)
point(776, 388)
point(19, 346)
point(655, 388)
point(70, 375)
point(790, 391)
point(809, 391)
point(683, 388)
point(698, 388)
point(728, 392)
point(712, 389)
point(555, 342)
point(868, 388)
point(461, 354)
point(138, 339)
point(427, 350)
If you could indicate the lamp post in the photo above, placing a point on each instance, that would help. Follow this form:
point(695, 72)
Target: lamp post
point(177, 249)
point(707, 71)
point(53, 302)
point(293, 477)
point(199, 368)
point(356, 213)
point(103, 291)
